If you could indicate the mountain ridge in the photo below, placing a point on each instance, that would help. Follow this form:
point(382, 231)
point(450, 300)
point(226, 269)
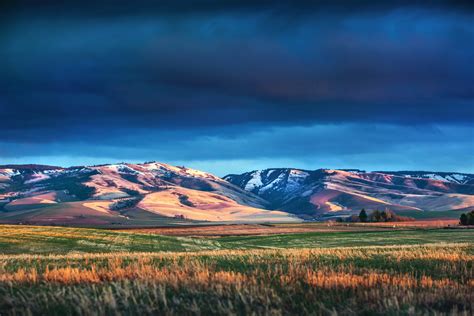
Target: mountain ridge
point(310, 193)
point(118, 194)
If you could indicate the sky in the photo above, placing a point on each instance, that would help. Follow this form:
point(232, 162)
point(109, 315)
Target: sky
point(237, 85)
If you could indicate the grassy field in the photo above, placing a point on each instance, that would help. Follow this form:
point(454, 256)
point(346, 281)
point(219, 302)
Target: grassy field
point(75, 271)
point(220, 230)
point(431, 215)
point(62, 240)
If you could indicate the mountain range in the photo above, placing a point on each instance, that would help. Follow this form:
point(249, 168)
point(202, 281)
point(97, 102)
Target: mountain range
point(125, 194)
point(310, 193)
point(152, 194)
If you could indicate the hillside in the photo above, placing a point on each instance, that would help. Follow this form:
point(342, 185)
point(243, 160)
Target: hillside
point(312, 193)
point(453, 177)
point(125, 194)
point(157, 194)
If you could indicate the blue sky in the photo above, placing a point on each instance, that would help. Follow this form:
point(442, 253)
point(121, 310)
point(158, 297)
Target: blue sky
point(234, 86)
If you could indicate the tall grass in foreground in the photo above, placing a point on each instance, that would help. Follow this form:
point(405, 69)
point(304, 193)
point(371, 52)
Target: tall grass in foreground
point(435, 279)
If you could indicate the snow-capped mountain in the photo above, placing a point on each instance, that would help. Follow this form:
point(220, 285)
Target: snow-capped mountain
point(150, 193)
point(315, 192)
point(120, 194)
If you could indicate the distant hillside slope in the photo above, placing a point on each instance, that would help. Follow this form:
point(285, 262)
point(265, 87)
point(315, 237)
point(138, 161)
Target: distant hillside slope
point(454, 177)
point(122, 194)
point(311, 193)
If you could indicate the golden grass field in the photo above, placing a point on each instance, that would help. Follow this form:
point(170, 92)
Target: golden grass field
point(412, 280)
point(149, 274)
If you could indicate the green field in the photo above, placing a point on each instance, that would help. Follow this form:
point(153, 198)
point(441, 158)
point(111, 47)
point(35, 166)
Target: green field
point(61, 240)
point(77, 271)
point(431, 215)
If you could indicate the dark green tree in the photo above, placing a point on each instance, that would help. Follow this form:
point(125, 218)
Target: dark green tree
point(463, 219)
point(470, 218)
point(363, 215)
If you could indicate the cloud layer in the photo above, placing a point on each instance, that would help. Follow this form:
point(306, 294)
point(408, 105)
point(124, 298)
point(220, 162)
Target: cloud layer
point(230, 76)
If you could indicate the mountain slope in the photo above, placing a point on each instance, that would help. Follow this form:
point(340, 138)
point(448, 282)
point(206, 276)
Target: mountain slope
point(313, 193)
point(453, 177)
point(124, 194)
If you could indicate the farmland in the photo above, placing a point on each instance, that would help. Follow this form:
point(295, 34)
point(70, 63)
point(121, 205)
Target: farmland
point(64, 240)
point(56, 270)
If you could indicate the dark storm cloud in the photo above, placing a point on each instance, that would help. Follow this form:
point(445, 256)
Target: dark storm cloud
point(226, 69)
point(105, 7)
point(107, 73)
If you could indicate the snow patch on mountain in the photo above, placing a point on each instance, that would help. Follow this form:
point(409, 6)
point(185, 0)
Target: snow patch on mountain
point(459, 178)
point(165, 169)
point(273, 184)
point(37, 177)
point(295, 179)
point(270, 172)
point(122, 168)
point(255, 182)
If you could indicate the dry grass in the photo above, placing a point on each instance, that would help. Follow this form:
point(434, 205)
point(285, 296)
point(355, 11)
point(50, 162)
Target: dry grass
point(432, 279)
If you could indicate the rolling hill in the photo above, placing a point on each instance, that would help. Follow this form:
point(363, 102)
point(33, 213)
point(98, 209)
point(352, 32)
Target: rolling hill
point(125, 194)
point(310, 193)
point(157, 194)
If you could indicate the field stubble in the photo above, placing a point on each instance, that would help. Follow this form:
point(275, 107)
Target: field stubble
point(436, 279)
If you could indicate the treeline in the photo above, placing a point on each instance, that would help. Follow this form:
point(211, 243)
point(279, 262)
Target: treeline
point(377, 216)
point(125, 203)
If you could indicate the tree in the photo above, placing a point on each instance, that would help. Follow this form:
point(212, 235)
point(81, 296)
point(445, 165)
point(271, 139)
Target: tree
point(387, 216)
point(467, 219)
point(470, 218)
point(363, 215)
point(376, 216)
